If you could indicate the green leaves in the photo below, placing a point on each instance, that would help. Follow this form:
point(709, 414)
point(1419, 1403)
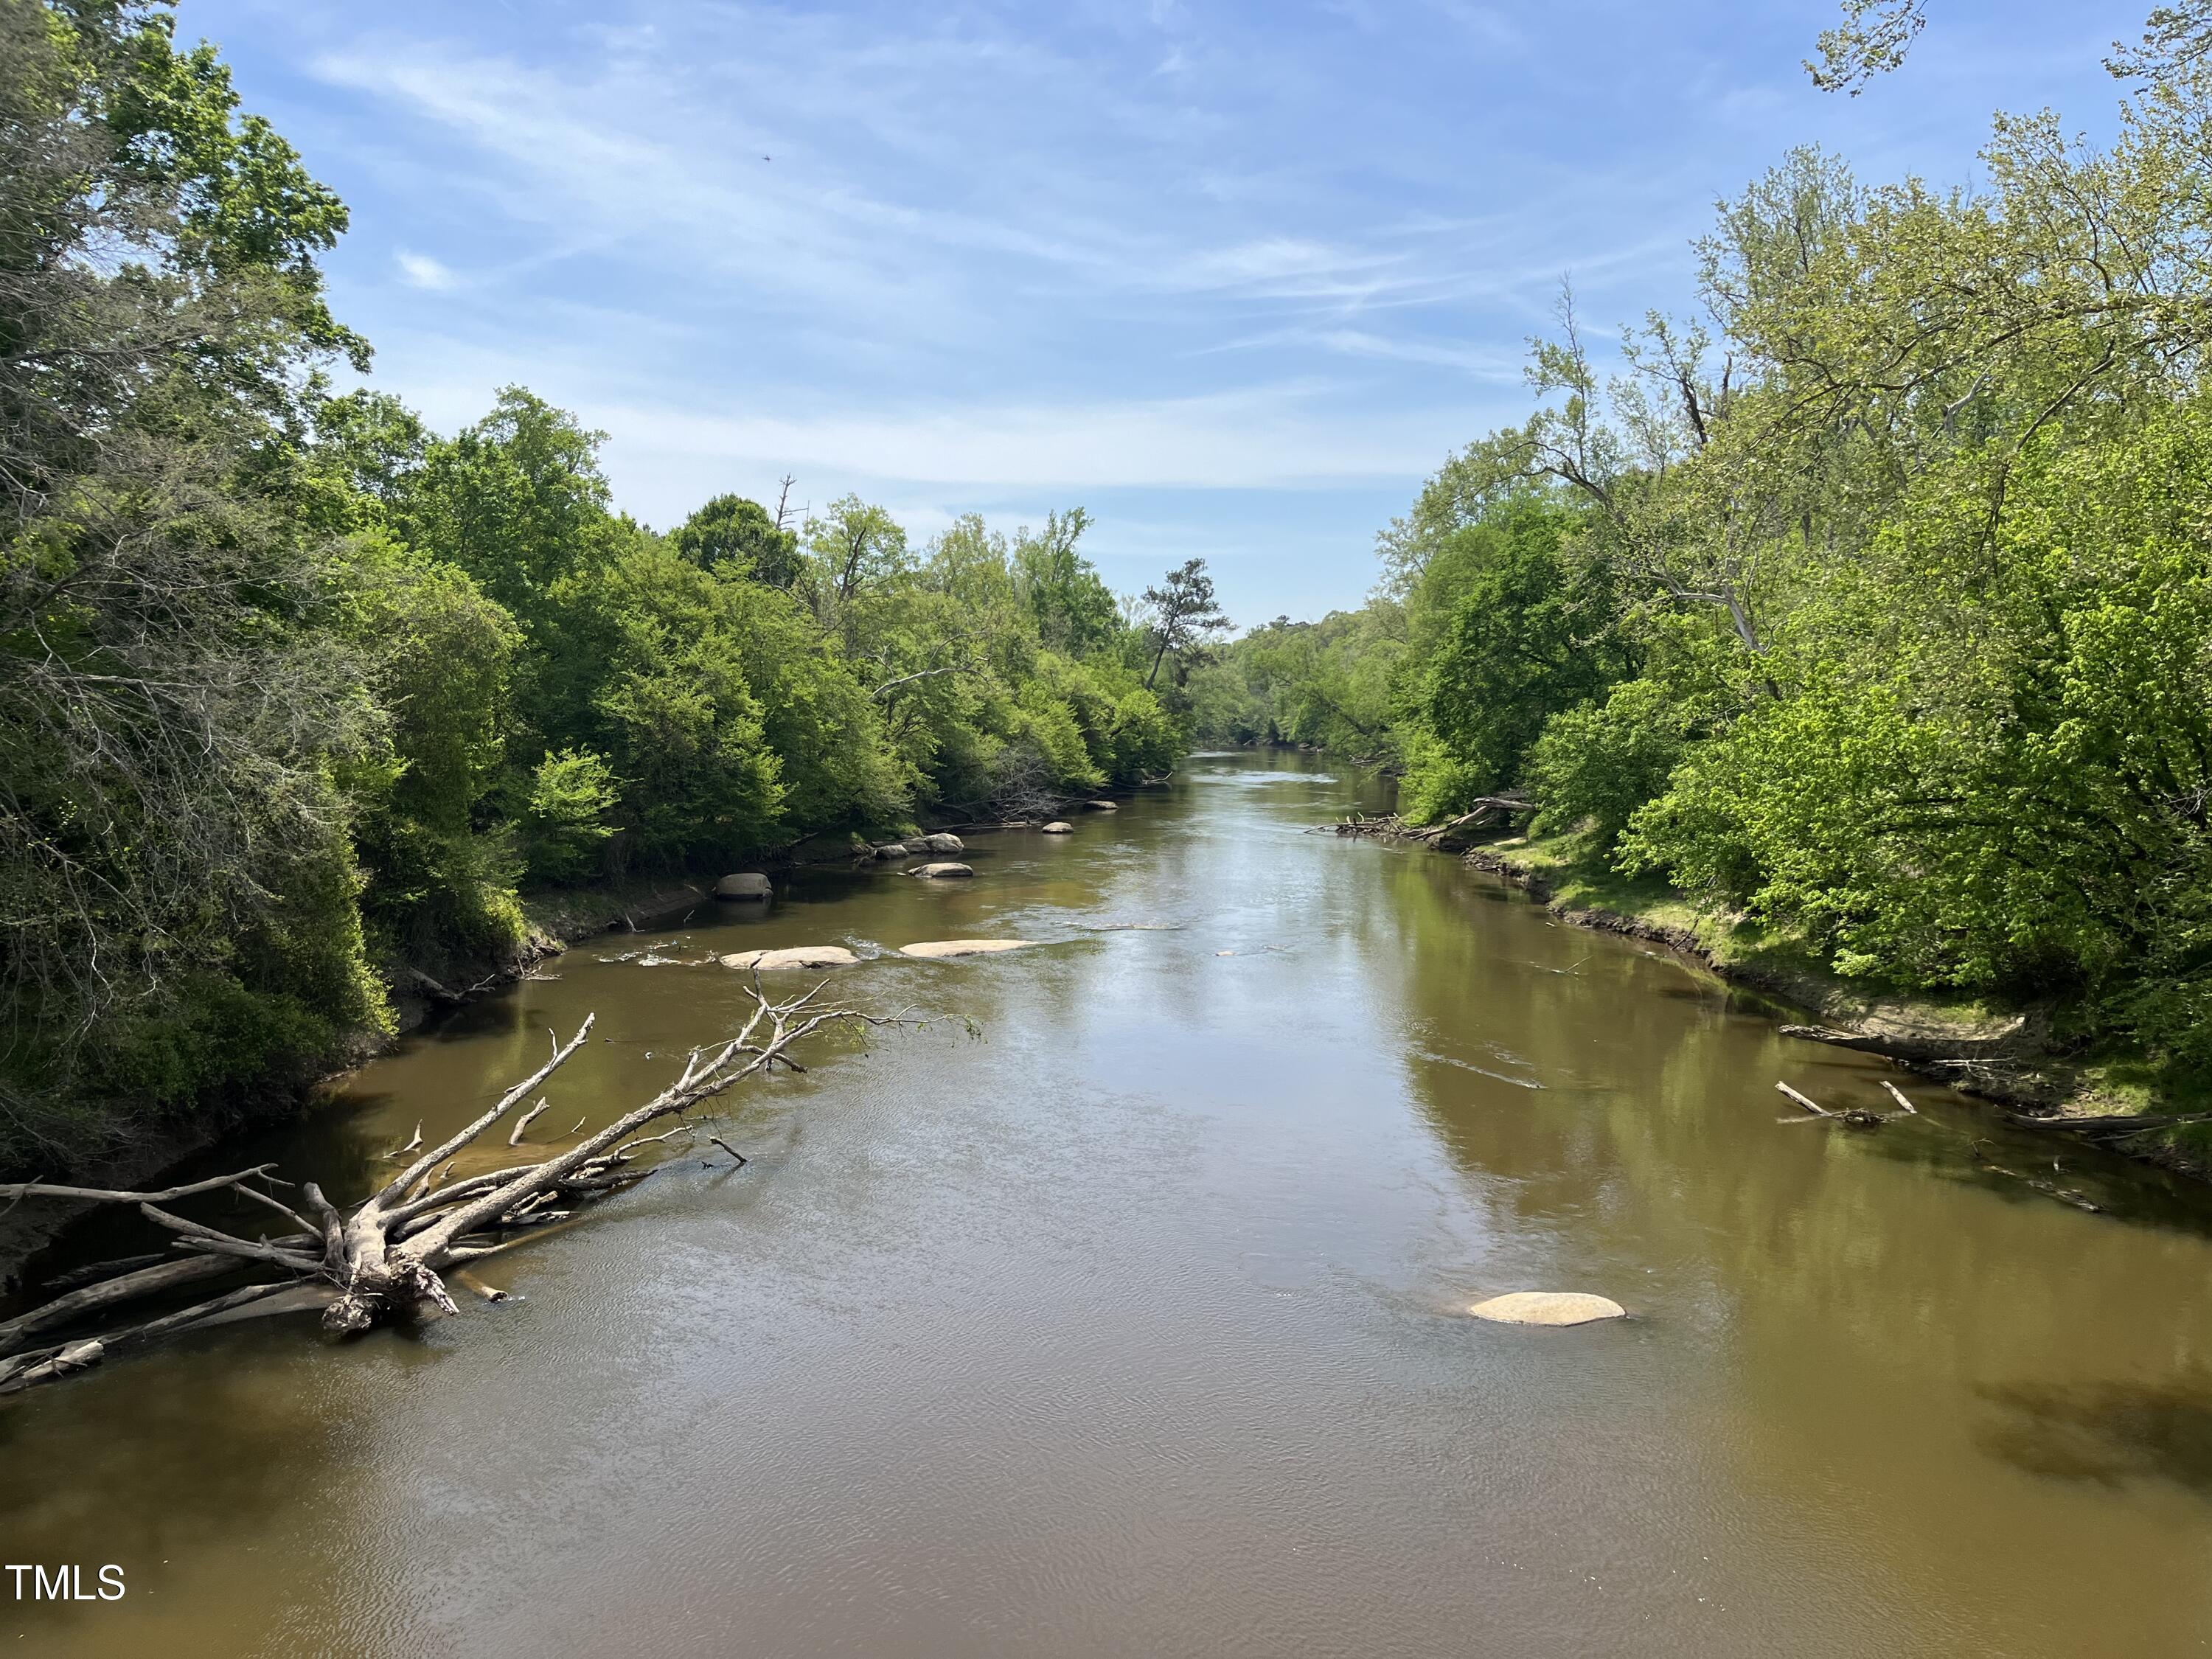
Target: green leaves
point(1993, 766)
point(1872, 39)
point(518, 500)
point(566, 814)
point(1877, 601)
point(186, 721)
point(738, 538)
point(1532, 634)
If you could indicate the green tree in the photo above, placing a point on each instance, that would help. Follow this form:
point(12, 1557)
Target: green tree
point(738, 538)
point(854, 552)
point(440, 656)
point(176, 882)
point(1533, 635)
point(518, 500)
point(1073, 608)
point(567, 814)
point(1184, 619)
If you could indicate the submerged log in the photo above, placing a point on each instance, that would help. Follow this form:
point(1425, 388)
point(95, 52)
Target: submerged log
point(385, 1257)
point(2080, 1201)
point(2124, 1123)
point(936, 948)
point(1855, 1117)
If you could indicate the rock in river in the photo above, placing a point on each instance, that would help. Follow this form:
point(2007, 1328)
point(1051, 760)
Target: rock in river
point(939, 843)
point(940, 872)
point(894, 849)
point(796, 956)
point(750, 885)
point(1547, 1308)
point(1057, 828)
point(1101, 806)
point(961, 947)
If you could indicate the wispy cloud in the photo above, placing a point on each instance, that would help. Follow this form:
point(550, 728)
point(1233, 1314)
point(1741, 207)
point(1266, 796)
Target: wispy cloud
point(1270, 437)
point(1247, 271)
point(421, 270)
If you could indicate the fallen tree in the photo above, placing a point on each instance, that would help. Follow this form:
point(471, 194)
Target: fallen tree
point(1451, 835)
point(385, 1257)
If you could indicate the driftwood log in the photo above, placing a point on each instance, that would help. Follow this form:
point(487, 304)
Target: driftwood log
point(1856, 1117)
point(1391, 827)
point(385, 1256)
point(2125, 1123)
point(2080, 1201)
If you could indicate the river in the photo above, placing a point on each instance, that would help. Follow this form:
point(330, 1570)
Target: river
point(1117, 1310)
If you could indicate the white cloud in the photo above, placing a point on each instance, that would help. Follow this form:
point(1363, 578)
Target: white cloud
point(1005, 255)
point(1002, 187)
point(421, 270)
point(1261, 438)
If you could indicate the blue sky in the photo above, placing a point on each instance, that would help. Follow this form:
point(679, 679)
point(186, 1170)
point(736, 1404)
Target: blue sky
point(1235, 277)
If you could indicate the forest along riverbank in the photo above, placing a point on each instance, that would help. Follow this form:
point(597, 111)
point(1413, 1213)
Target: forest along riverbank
point(1993, 1051)
point(1134, 1318)
point(556, 919)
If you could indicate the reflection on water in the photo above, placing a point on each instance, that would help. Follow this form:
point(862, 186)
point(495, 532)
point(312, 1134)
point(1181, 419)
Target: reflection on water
point(1129, 1324)
point(2109, 1432)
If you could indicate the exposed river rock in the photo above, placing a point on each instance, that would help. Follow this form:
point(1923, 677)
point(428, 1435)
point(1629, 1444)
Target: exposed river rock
point(796, 955)
point(961, 947)
point(1547, 1308)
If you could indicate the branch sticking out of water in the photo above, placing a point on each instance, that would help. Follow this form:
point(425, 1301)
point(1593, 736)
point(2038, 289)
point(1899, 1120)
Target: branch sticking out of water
point(384, 1258)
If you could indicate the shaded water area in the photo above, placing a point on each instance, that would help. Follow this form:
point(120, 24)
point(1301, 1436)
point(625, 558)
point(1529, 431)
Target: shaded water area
point(1128, 1321)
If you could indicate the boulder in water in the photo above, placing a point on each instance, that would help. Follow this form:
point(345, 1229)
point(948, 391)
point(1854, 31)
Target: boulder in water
point(939, 843)
point(751, 884)
point(1547, 1308)
point(962, 947)
point(940, 872)
point(796, 955)
point(1101, 806)
point(894, 849)
point(1057, 828)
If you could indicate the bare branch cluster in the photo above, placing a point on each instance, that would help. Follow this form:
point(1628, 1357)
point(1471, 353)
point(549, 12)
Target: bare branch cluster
point(387, 1255)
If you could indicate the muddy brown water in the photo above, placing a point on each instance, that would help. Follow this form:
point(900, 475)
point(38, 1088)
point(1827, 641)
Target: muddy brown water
point(1126, 1322)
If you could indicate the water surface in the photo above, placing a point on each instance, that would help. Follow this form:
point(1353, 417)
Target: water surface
point(1116, 1312)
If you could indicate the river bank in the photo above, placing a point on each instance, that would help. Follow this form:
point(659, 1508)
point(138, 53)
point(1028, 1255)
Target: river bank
point(557, 918)
point(1983, 1048)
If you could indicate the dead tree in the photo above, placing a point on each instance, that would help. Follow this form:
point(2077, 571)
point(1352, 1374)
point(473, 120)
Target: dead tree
point(384, 1257)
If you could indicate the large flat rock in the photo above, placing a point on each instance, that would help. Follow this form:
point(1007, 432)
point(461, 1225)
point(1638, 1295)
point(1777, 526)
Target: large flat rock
point(796, 955)
point(1547, 1308)
point(941, 872)
point(962, 947)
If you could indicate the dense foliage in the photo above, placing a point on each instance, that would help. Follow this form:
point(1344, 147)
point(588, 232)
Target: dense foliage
point(295, 693)
point(1876, 603)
